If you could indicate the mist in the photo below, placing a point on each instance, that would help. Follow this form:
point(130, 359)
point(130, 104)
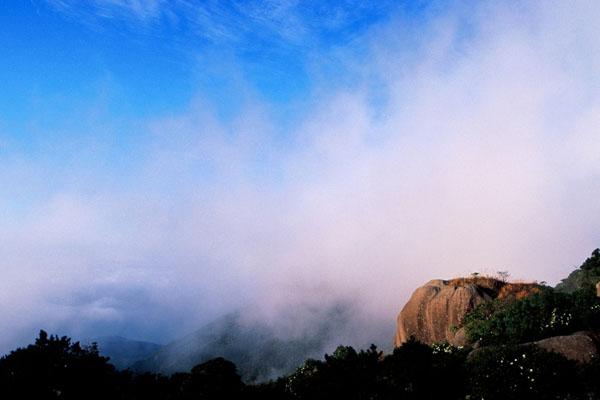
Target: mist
point(468, 142)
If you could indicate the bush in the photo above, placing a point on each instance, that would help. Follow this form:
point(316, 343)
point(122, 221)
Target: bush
point(522, 372)
point(544, 314)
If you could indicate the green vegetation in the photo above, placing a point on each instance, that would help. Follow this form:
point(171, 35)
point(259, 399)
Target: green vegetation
point(544, 314)
point(584, 278)
point(549, 312)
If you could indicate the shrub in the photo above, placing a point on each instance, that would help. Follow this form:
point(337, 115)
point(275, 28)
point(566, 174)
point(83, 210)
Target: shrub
point(544, 314)
point(522, 372)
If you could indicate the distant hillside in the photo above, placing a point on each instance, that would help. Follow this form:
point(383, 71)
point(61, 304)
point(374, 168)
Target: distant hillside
point(124, 352)
point(255, 348)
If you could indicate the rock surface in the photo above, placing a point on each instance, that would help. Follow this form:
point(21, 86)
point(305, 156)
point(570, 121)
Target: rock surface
point(580, 346)
point(435, 311)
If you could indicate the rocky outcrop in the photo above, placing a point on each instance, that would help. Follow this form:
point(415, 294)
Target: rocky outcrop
point(580, 346)
point(435, 311)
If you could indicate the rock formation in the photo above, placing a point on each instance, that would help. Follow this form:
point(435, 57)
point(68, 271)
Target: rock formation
point(580, 346)
point(435, 311)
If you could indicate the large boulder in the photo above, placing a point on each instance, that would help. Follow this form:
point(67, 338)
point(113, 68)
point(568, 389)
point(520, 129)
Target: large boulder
point(435, 311)
point(580, 346)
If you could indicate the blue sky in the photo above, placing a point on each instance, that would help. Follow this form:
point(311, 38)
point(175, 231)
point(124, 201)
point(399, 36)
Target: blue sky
point(77, 73)
point(165, 162)
point(156, 58)
point(69, 67)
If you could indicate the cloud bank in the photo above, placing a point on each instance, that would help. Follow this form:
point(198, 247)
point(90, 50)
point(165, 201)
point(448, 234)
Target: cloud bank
point(468, 142)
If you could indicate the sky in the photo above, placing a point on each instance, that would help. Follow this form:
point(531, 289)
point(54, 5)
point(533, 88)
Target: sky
point(163, 163)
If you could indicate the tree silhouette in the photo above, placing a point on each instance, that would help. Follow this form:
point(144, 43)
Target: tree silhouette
point(214, 379)
point(55, 368)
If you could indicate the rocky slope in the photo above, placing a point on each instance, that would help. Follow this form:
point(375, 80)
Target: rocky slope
point(582, 347)
point(579, 346)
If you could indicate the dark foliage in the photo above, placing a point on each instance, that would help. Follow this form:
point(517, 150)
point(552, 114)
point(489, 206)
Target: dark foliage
point(522, 372)
point(55, 368)
point(590, 377)
point(345, 373)
point(417, 371)
point(214, 379)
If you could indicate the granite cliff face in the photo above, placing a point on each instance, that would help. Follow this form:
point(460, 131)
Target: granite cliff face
point(435, 311)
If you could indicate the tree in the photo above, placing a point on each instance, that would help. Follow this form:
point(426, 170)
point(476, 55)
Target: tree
point(56, 368)
point(214, 379)
point(503, 275)
point(592, 263)
point(585, 277)
point(346, 374)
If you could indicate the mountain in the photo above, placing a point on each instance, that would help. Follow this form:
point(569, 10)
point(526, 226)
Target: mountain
point(259, 352)
point(124, 352)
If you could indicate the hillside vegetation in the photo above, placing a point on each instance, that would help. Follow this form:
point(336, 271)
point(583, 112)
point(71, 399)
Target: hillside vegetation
point(572, 306)
point(585, 277)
